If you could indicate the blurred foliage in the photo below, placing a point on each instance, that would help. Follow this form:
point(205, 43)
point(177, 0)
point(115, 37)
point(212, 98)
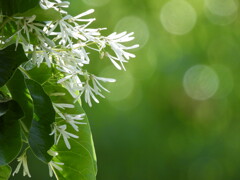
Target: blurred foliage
point(152, 125)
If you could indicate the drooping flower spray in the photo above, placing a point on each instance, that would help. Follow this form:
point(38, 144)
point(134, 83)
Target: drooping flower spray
point(65, 44)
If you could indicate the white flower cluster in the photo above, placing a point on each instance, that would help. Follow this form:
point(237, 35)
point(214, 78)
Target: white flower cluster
point(59, 129)
point(71, 119)
point(23, 162)
point(65, 44)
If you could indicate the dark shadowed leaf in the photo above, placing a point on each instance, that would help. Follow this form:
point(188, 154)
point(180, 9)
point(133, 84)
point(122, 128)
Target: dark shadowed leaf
point(3, 108)
point(10, 59)
point(10, 136)
point(10, 7)
point(39, 139)
point(20, 93)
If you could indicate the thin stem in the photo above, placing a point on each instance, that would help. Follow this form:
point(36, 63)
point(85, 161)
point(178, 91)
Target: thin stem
point(61, 50)
point(27, 148)
point(24, 72)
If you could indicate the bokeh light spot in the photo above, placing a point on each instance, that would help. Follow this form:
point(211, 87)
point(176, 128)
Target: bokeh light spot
point(136, 25)
point(200, 82)
point(221, 12)
point(129, 103)
point(122, 88)
point(222, 7)
point(178, 17)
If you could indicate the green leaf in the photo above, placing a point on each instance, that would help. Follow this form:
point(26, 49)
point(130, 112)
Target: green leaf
point(4, 94)
point(39, 139)
point(8, 29)
point(5, 172)
point(42, 14)
point(10, 7)
point(18, 89)
point(80, 160)
point(10, 136)
point(10, 59)
point(40, 74)
point(3, 108)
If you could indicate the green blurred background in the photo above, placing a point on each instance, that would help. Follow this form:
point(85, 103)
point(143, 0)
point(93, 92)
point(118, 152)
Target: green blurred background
point(174, 114)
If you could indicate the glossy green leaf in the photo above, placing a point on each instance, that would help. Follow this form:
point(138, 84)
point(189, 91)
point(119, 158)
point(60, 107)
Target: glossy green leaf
point(39, 139)
point(10, 7)
point(10, 136)
point(20, 93)
point(80, 160)
point(10, 59)
point(42, 14)
point(40, 74)
point(5, 172)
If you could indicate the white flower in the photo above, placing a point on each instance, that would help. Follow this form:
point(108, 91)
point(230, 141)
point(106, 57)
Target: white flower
point(57, 5)
point(26, 25)
point(97, 85)
point(56, 165)
point(22, 161)
point(114, 40)
point(58, 106)
point(59, 131)
point(114, 59)
point(52, 153)
point(73, 86)
point(69, 28)
point(52, 164)
point(78, 17)
point(96, 88)
point(71, 73)
point(88, 94)
point(63, 105)
point(73, 120)
point(45, 4)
